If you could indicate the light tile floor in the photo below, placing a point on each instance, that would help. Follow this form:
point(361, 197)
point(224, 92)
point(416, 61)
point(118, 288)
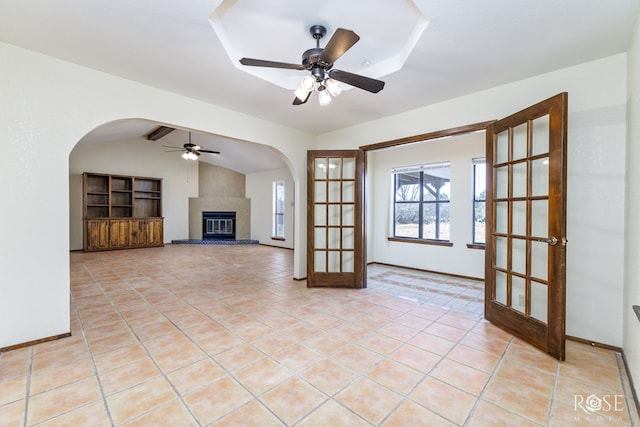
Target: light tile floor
point(221, 336)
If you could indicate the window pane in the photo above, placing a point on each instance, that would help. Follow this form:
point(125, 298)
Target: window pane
point(435, 221)
point(348, 168)
point(540, 143)
point(427, 188)
point(321, 168)
point(520, 142)
point(539, 295)
point(335, 168)
point(479, 197)
point(478, 222)
point(501, 147)
point(406, 220)
point(479, 180)
point(407, 187)
point(278, 208)
point(437, 183)
point(279, 226)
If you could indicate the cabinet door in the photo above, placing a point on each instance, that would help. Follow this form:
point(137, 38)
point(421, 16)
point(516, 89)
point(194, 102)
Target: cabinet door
point(155, 232)
point(119, 233)
point(96, 234)
point(138, 235)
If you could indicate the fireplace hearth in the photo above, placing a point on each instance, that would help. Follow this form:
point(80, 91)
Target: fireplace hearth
point(219, 225)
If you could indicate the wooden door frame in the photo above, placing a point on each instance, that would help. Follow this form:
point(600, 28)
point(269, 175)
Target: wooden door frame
point(357, 279)
point(556, 318)
point(550, 336)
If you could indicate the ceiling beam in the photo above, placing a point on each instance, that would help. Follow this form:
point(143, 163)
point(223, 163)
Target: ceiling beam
point(159, 132)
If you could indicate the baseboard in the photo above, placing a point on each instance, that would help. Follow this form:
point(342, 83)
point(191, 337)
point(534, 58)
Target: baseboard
point(594, 343)
point(630, 378)
point(426, 271)
point(274, 246)
point(34, 342)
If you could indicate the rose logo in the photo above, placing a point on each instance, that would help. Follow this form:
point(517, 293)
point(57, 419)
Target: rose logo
point(593, 403)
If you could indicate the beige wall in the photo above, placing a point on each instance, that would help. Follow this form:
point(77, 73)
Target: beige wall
point(221, 190)
point(216, 181)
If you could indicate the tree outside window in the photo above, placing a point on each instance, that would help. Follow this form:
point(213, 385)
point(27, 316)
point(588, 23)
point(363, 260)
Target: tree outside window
point(421, 202)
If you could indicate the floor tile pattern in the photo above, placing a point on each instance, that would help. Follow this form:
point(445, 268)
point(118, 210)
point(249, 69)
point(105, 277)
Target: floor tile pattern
point(209, 335)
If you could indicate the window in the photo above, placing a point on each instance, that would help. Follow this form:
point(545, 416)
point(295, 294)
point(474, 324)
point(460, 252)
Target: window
point(479, 200)
point(421, 202)
point(278, 210)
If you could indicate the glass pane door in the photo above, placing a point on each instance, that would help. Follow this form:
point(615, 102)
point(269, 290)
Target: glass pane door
point(526, 214)
point(335, 219)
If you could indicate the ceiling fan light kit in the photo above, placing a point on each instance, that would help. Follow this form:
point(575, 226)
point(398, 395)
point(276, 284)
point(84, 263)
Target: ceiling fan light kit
point(319, 62)
point(189, 155)
point(190, 151)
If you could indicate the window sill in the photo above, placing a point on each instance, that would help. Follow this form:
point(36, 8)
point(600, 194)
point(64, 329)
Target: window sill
point(281, 239)
point(420, 241)
point(475, 246)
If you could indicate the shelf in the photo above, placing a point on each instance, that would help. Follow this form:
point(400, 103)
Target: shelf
point(97, 184)
point(122, 212)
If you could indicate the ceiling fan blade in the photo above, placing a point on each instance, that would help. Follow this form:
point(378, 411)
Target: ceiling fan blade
point(201, 150)
point(341, 41)
point(172, 151)
point(362, 82)
point(171, 146)
point(297, 101)
point(272, 64)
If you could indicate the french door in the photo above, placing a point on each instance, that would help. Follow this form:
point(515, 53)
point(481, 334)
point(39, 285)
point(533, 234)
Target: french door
point(526, 224)
point(335, 219)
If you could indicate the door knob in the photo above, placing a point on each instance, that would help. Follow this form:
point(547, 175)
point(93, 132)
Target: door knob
point(552, 241)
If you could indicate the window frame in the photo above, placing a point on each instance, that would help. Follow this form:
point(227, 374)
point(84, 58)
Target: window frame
point(474, 199)
point(276, 214)
point(422, 202)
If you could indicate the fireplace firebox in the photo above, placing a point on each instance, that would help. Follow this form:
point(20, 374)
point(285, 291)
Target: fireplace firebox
point(219, 225)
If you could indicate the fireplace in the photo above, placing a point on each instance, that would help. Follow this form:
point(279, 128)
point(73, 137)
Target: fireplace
point(219, 225)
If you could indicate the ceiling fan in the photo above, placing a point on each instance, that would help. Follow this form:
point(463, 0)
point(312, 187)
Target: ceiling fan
point(319, 61)
point(190, 151)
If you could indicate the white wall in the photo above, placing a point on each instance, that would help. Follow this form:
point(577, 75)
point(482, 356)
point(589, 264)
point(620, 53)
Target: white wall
point(631, 344)
point(259, 189)
point(47, 106)
point(457, 259)
point(597, 102)
point(138, 157)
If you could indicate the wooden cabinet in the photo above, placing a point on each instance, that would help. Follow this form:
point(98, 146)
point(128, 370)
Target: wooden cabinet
point(122, 212)
point(96, 235)
point(119, 233)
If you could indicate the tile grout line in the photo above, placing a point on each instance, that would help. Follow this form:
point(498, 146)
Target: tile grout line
point(28, 388)
point(141, 343)
point(88, 347)
point(209, 356)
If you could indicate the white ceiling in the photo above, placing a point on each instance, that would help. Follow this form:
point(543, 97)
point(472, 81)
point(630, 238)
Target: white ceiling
point(467, 46)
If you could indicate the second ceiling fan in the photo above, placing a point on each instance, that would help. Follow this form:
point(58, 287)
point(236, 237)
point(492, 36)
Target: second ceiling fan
point(190, 151)
point(319, 61)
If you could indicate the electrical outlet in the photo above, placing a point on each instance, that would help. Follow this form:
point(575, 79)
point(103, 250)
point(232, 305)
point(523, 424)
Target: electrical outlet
point(521, 300)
